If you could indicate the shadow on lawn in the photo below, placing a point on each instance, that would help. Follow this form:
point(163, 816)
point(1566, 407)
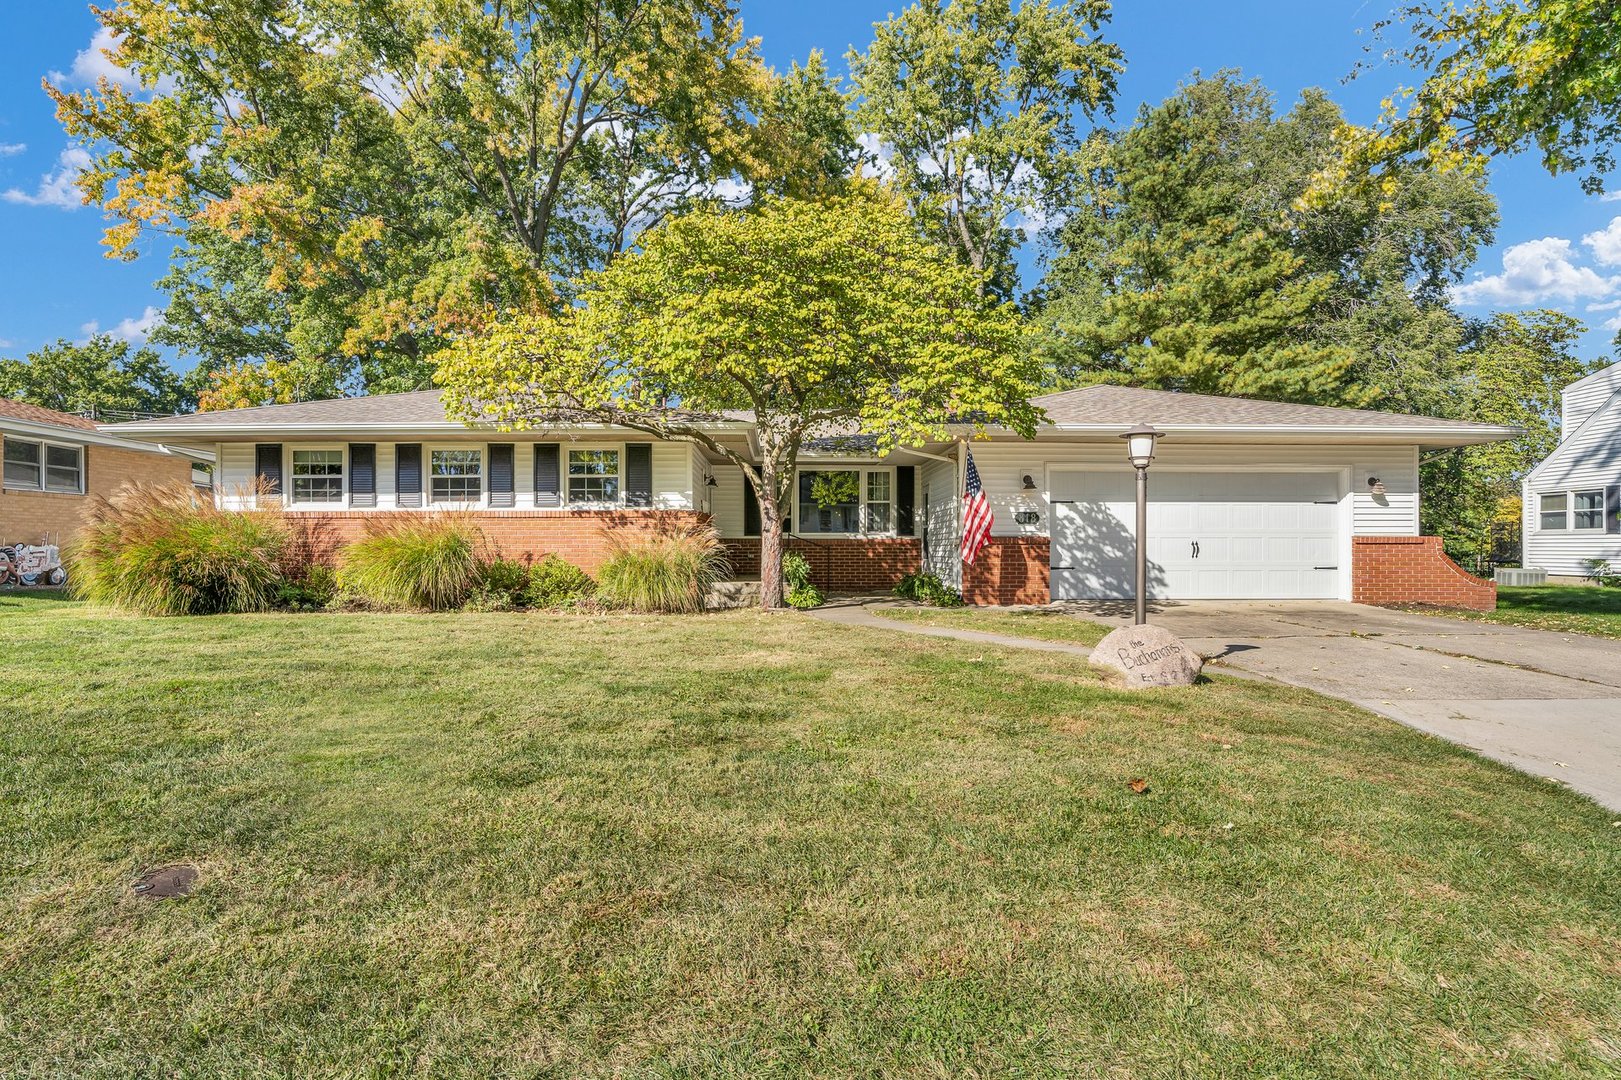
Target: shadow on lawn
point(1560, 599)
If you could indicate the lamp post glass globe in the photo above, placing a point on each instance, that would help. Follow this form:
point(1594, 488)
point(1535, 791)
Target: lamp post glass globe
point(1140, 445)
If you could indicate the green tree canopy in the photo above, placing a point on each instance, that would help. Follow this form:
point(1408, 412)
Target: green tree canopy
point(101, 377)
point(977, 101)
point(1191, 260)
point(819, 318)
point(1502, 76)
point(362, 179)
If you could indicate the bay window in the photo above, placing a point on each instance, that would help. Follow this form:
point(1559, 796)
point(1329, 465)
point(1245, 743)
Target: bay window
point(456, 476)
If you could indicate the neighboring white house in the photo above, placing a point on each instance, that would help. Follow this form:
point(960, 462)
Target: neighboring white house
point(1573, 498)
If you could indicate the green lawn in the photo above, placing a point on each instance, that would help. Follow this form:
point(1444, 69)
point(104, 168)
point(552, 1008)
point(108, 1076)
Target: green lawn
point(1044, 623)
point(1569, 609)
point(750, 846)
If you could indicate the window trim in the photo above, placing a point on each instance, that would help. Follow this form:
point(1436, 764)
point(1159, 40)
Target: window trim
point(1543, 515)
point(567, 500)
point(44, 467)
point(861, 470)
point(1569, 511)
point(428, 500)
point(289, 481)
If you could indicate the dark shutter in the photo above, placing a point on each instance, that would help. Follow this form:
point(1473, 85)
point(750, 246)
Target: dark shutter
point(1612, 509)
point(501, 479)
point(408, 473)
point(905, 497)
point(548, 491)
point(639, 474)
point(267, 467)
point(751, 510)
point(362, 474)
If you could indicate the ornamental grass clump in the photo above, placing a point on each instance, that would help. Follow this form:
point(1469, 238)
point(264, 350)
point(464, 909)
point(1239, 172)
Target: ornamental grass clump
point(427, 562)
point(666, 572)
point(167, 550)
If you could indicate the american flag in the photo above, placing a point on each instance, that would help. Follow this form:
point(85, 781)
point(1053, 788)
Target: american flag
point(977, 518)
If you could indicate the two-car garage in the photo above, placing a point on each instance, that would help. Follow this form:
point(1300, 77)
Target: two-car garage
point(1214, 534)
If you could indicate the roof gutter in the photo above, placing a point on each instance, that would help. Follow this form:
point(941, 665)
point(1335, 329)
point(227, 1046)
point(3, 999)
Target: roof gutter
point(88, 437)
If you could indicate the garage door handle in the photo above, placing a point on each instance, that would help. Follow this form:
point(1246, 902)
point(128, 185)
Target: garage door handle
point(1325, 568)
point(1196, 549)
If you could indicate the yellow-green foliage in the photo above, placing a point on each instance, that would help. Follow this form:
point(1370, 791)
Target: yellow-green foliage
point(557, 583)
point(668, 572)
point(428, 562)
point(168, 551)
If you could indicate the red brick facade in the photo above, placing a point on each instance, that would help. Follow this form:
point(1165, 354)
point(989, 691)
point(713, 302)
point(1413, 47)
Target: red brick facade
point(39, 517)
point(1009, 570)
point(578, 536)
point(840, 564)
point(1414, 570)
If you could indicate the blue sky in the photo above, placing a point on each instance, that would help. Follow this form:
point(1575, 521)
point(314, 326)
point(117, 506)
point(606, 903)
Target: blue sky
point(1556, 247)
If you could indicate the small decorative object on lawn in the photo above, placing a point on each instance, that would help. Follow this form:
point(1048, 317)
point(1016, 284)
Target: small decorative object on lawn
point(1139, 786)
point(166, 883)
point(1148, 656)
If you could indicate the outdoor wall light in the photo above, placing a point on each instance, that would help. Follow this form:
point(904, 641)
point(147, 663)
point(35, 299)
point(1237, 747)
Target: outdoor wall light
point(709, 481)
point(1376, 485)
point(1140, 445)
point(1029, 482)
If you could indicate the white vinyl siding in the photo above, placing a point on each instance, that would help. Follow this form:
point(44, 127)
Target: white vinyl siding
point(1582, 399)
point(1587, 459)
point(938, 519)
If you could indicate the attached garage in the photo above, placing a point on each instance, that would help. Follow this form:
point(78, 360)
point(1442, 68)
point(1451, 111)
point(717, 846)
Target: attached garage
point(1214, 534)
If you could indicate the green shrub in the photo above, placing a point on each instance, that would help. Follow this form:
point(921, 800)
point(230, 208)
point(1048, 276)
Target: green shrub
point(668, 572)
point(166, 551)
point(414, 562)
point(313, 590)
point(1600, 574)
point(500, 587)
point(554, 583)
point(926, 588)
point(796, 579)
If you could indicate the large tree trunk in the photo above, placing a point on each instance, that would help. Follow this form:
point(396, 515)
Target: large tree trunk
point(770, 538)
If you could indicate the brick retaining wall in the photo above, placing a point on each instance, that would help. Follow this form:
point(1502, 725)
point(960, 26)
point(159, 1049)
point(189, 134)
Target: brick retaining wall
point(1414, 570)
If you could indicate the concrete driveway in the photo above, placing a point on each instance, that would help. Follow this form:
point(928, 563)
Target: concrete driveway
point(1544, 702)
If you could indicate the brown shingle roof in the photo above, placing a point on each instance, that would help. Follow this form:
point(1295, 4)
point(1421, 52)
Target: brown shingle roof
point(21, 410)
point(1123, 406)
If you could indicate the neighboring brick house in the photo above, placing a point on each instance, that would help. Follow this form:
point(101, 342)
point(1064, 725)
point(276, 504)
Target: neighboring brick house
point(1249, 499)
point(52, 462)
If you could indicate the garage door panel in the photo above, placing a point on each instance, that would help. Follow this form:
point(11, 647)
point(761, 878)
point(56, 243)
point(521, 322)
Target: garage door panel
point(1258, 535)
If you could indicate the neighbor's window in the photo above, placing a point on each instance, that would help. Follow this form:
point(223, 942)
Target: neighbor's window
point(1552, 508)
point(44, 467)
point(1589, 509)
point(593, 476)
point(318, 476)
point(457, 475)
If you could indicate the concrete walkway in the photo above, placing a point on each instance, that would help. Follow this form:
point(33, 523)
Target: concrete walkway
point(1544, 702)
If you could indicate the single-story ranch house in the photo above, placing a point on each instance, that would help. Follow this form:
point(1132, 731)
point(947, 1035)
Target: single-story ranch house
point(1573, 497)
point(1249, 499)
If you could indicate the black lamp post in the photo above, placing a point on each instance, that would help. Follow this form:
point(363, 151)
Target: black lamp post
point(1140, 449)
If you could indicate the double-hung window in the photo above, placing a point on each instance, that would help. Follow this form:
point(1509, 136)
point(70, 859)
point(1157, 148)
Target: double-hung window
point(1588, 509)
point(457, 476)
point(1552, 511)
point(849, 501)
point(37, 466)
point(593, 476)
point(317, 476)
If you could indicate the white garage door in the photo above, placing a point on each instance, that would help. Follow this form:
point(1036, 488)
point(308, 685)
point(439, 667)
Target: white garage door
point(1211, 535)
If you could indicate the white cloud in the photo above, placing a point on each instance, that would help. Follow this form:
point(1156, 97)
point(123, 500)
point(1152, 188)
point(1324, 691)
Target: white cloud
point(1610, 196)
point(10, 149)
point(56, 188)
point(875, 156)
point(134, 330)
point(1605, 244)
point(92, 63)
point(1534, 272)
point(7, 343)
point(1608, 305)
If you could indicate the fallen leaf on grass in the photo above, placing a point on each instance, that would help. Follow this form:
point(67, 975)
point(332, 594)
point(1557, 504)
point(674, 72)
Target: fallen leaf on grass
point(1138, 786)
